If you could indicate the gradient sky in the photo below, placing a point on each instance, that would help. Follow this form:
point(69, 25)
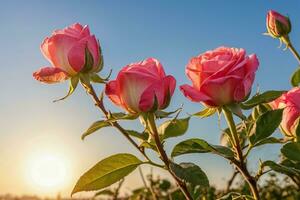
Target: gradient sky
point(129, 31)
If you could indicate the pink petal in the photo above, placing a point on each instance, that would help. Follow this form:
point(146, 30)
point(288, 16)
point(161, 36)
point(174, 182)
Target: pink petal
point(85, 31)
point(160, 89)
point(94, 48)
point(132, 85)
point(221, 90)
point(112, 90)
point(147, 98)
point(76, 56)
point(289, 117)
point(243, 89)
point(154, 67)
point(50, 75)
point(72, 31)
point(195, 95)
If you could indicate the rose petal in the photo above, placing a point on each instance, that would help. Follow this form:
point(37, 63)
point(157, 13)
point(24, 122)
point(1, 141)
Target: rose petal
point(221, 90)
point(50, 75)
point(195, 95)
point(112, 90)
point(160, 89)
point(58, 47)
point(132, 85)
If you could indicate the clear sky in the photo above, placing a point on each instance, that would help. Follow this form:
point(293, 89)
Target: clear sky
point(32, 127)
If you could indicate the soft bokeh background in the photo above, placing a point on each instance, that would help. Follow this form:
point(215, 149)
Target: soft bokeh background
point(129, 31)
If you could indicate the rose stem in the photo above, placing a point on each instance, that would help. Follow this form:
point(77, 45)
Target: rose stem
point(164, 157)
point(289, 44)
point(240, 163)
point(99, 103)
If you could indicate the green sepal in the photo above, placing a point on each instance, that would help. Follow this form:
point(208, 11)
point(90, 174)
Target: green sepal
point(160, 114)
point(155, 105)
point(236, 110)
point(96, 78)
point(72, 86)
point(101, 60)
point(167, 100)
point(206, 112)
point(88, 61)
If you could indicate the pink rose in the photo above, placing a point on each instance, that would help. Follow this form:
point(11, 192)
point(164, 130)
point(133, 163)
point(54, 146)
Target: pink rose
point(66, 50)
point(139, 84)
point(277, 24)
point(221, 76)
point(290, 102)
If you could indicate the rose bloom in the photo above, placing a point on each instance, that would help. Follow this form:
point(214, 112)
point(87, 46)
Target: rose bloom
point(66, 51)
point(139, 85)
point(221, 76)
point(290, 102)
point(277, 24)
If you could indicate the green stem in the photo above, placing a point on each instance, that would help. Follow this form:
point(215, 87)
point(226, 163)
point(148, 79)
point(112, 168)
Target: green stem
point(99, 103)
point(163, 155)
point(240, 162)
point(289, 44)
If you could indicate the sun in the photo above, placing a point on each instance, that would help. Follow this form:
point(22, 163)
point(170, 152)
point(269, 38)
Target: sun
point(47, 171)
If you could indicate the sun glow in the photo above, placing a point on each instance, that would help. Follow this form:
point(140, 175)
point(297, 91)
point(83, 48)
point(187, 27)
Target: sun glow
point(47, 171)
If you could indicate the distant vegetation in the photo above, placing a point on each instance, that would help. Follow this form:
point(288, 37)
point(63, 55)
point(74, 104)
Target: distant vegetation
point(274, 188)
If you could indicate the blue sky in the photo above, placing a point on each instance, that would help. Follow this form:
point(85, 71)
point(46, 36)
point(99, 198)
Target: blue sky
point(129, 31)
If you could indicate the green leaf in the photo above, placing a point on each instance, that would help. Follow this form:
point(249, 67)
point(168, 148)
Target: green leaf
point(291, 151)
point(143, 136)
point(269, 140)
point(190, 173)
point(291, 164)
point(173, 128)
point(94, 127)
point(72, 86)
point(265, 125)
point(104, 192)
point(148, 145)
point(200, 146)
point(295, 79)
point(206, 112)
point(106, 172)
point(280, 168)
point(265, 97)
point(122, 116)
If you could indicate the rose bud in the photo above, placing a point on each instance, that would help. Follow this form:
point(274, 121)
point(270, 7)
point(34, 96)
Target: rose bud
point(141, 87)
point(290, 102)
point(220, 77)
point(70, 51)
point(277, 24)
